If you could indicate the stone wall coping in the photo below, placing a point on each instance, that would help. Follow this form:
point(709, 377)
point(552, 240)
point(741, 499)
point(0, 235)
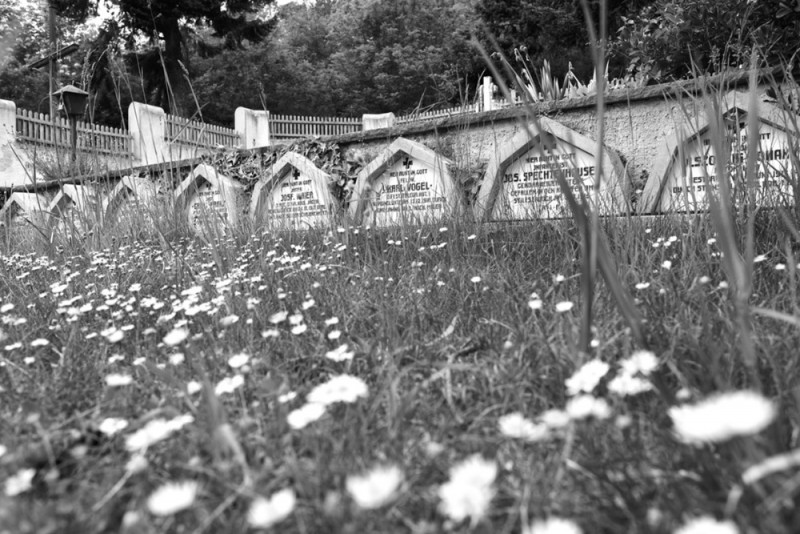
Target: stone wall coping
point(676, 89)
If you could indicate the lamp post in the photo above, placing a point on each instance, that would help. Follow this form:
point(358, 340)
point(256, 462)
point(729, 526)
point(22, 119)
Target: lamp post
point(73, 102)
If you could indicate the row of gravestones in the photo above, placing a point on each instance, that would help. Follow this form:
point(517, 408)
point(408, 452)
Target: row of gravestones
point(408, 183)
point(411, 184)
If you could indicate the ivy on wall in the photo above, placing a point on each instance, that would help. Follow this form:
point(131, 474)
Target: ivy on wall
point(248, 167)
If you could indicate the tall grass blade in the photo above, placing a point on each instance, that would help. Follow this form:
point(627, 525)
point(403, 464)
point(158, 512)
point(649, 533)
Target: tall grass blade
point(581, 213)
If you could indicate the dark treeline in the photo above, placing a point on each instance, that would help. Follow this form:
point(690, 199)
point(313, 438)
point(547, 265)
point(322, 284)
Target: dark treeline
point(348, 57)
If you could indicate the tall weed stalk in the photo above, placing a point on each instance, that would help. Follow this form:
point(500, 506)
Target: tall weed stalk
point(595, 252)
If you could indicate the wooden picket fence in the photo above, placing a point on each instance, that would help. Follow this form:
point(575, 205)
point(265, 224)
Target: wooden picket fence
point(195, 133)
point(298, 126)
point(438, 113)
point(40, 129)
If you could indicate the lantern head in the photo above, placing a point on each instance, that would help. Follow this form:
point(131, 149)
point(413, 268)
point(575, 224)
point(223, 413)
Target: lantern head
point(73, 100)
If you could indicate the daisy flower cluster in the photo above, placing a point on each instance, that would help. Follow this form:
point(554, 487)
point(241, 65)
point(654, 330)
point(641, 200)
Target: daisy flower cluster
point(630, 378)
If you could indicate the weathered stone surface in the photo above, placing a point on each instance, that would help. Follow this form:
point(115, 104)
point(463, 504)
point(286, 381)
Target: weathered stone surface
point(408, 183)
point(522, 179)
point(688, 165)
point(375, 121)
point(294, 195)
point(130, 197)
point(253, 127)
point(76, 207)
point(210, 201)
point(15, 165)
point(24, 208)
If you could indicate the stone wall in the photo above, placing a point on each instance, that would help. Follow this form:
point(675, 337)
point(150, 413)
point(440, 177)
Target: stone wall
point(638, 125)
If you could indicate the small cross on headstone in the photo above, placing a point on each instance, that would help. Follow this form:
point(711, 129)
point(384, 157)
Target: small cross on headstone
point(296, 174)
point(407, 162)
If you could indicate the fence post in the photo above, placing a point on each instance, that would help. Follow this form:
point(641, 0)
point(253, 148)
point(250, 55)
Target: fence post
point(252, 127)
point(486, 96)
point(15, 167)
point(147, 129)
point(373, 121)
point(8, 122)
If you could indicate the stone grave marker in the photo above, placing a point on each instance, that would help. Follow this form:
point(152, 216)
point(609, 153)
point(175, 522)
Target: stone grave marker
point(407, 184)
point(129, 200)
point(76, 207)
point(687, 167)
point(295, 195)
point(22, 210)
point(211, 202)
point(521, 179)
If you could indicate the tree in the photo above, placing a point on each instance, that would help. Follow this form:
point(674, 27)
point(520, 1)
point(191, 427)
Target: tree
point(24, 38)
point(172, 25)
point(160, 35)
point(552, 30)
point(670, 38)
point(231, 79)
point(348, 57)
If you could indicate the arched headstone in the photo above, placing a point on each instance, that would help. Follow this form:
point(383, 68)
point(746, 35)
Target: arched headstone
point(211, 202)
point(295, 195)
point(22, 210)
point(129, 199)
point(687, 165)
point(76, 207)
point(521, 180)
point(407, 184)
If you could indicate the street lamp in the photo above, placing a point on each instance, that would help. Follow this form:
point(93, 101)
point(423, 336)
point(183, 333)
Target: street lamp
point(73, 102)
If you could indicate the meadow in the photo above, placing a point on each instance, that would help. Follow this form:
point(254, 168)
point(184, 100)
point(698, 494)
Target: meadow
point(418, 380)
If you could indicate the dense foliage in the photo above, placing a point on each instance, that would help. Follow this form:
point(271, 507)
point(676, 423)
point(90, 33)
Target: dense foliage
point(152, 44)
point(347, 58)
point(554, 30)
point(671, 38)
point(169, 23)
point(23, 39)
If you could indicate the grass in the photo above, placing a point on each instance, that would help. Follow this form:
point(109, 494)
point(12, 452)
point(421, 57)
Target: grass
point(444, 337)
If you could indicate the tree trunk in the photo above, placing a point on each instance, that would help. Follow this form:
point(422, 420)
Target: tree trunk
point(178, 90)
